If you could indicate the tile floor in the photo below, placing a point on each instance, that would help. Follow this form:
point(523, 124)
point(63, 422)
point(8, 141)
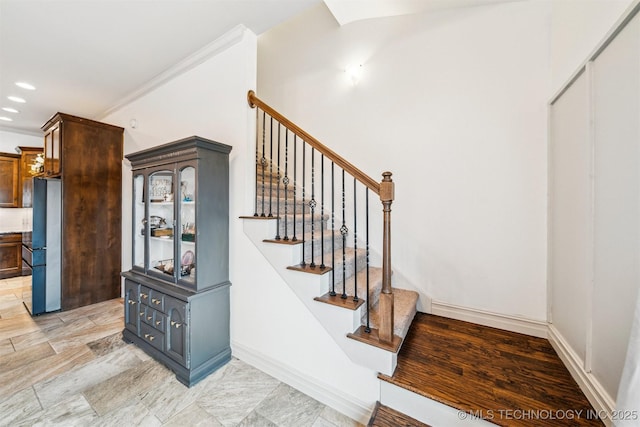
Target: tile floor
point(73, 369)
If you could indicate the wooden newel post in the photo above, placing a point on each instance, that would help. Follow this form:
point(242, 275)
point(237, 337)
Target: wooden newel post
point(386, 297)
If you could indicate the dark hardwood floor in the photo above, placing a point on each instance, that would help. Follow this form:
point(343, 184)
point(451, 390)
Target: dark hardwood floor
point(383, 416)
point(506, 378)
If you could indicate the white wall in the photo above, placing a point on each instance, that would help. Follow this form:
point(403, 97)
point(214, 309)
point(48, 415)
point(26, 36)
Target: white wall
point(267, 319)
point(454, 104)
point(10, 140)
point(577, 26)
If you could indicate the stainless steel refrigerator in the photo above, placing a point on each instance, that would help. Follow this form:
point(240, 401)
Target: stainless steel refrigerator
point(43, 252)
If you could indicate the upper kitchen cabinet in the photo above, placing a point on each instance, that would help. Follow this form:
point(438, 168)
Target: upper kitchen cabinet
point(29, 167)
point(86, 157)
point(52, 149)
point(9, 180)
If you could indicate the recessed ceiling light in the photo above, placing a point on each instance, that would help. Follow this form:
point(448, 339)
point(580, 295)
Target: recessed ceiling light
point(16, 99)
point(6, 119)
point(10, 110)
point(25, 85)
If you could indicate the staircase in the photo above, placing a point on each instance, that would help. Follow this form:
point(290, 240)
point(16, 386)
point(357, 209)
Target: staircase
point(312, 222)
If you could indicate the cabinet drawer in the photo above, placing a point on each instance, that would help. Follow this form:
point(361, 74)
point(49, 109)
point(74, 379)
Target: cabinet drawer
point(159, 320)
point(156, 300)
point(145, 294)
point(146, 314)
point(152, 336)
point(27, 255)
point(153, 318)
point(152, 298)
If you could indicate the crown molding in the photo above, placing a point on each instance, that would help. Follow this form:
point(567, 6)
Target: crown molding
point(219, 45)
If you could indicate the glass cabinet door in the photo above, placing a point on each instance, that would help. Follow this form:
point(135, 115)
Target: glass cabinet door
point(140, 222)
point(187, 213)
point(161, 224)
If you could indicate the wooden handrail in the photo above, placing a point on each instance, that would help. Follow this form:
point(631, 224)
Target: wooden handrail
point(373, 185)
point(384, 189)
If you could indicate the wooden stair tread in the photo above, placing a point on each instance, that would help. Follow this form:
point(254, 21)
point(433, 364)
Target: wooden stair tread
point(476, 368)
point(350, 254)
point(372, 338)
point(308, 269)
point(283, 242)
point(375, 284)
point(256, 217)
point(337, 300)
point(383, 416)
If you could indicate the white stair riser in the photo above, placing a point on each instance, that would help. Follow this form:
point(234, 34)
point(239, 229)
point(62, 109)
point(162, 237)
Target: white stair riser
point(426, 410)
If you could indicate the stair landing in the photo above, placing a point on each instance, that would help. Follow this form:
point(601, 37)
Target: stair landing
point(509, 379)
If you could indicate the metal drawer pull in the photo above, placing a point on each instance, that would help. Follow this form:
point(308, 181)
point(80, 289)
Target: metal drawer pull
point(155, 301)
point(141, 313)
point(149, 337)
point(174, 323)
point(149, 317)
point(144, 295)
point(158, 322)
point(131, 302)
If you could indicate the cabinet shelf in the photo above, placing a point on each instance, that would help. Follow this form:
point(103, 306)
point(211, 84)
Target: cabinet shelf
point(170, 239)
point(189, 202)
point(162, 239)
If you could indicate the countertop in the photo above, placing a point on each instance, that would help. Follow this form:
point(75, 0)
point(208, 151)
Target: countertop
point(3, 230)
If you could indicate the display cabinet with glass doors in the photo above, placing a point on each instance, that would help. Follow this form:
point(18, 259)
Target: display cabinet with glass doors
point(174, 226)
point(179, 280)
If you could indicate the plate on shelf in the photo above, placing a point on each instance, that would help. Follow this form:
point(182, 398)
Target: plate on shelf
point(188, 257)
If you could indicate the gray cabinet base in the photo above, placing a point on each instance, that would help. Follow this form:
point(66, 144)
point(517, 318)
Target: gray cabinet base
point(186, 376)
point(186, 331)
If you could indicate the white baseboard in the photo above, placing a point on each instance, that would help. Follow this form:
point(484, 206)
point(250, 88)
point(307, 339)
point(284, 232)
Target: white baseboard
point(324, 393)
point(590, 386)
point(520, 325)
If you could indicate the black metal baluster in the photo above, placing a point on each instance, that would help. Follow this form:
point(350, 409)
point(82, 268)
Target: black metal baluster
point(344, 230)
point(285, 181)
point(278, 188)
point(295, 184)
point(355, 243)
point(366, 207)
point(270, 167)
point(312, 205)
point(322, 211)
point(304, 145)
point(333, 233)
point(257, 151)
point(263, 160)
